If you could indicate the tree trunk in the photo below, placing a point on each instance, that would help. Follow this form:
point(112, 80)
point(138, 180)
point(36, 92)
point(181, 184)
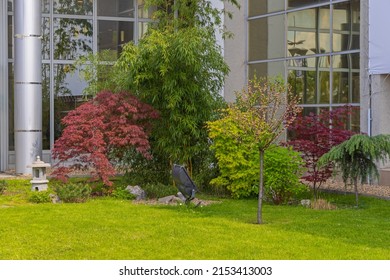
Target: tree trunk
point(355, 183)
point(261, 190)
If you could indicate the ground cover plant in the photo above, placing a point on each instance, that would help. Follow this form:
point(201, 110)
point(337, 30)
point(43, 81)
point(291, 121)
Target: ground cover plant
point(109, 228)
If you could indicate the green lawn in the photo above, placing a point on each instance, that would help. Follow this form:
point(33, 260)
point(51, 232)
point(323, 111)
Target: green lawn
point(114, 229)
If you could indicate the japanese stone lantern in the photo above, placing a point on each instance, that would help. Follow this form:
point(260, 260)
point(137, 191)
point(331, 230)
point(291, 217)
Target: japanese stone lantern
point(39, 181)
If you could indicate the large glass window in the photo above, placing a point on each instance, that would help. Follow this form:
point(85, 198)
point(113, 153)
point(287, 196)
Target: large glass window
point(315, 46)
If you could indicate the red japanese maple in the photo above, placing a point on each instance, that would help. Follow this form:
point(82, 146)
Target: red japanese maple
point(101, 130)
point(315, 135)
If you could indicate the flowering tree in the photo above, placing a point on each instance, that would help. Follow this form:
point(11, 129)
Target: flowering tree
point(100, 131)
point(315, 135)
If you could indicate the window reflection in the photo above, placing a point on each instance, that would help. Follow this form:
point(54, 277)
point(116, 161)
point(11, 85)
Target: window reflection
point(308, 32)
point(46, 38)
point(45, 6)
point(73, 7)
point(303, 83)
point(346, 88)
point(114, 34)
point(72, 38)
point(346, 26)
point(266, 69)
point(116, 8)
point(68, 88)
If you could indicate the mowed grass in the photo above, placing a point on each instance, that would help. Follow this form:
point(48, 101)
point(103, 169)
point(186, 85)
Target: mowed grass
point(110, 229)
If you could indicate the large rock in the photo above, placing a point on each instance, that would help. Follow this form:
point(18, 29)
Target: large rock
point(137, 192)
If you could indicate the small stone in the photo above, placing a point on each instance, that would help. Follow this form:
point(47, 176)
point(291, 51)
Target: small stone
point(181, 196)
point(137, 191)
point(305, 202)
point(167, 199)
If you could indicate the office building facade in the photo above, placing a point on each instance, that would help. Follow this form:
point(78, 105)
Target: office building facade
point(321, 47)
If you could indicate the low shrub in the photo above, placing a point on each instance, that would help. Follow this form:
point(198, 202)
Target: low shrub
point(122, 193)
point(73, 192)
point(3, 186)
point(39, 197)
point(282, 170)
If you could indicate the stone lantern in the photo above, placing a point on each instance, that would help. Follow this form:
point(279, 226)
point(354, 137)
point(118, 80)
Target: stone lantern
point(39, 181)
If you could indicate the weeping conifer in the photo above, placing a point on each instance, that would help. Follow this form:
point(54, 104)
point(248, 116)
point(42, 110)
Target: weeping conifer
point(356, 158)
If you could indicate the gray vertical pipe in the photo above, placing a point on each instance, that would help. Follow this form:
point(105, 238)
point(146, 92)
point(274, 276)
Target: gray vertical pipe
point(3, 86)
point(28, 83)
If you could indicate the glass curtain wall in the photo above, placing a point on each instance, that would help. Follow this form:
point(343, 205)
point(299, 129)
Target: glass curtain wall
point(70, 29)
point(313, 44)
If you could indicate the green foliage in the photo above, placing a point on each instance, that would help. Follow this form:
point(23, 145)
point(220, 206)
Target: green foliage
point(282, 169)
point(3, 186)
point(98, 71)
point(72, 192)
point(356, 157)
point(158, 190)
point(238, 163)
point(181, 14)
point(180, 74)
point(40, 196)
point(122, 193)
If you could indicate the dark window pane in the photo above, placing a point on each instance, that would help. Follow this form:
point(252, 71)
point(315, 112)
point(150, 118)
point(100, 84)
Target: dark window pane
point(73, 7)
point(267, 38)
point(72, 38)
point(301, 3)
point(10, 36)
point(116, 8)
point(114, 34)
point(257, 7)
point(68, 89)
point(324, 87)
point(10, 5)
point(11, 140)
point(46, 106)
point(303, 84)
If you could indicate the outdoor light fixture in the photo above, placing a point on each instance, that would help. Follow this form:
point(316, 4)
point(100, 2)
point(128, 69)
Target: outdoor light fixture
point(183, 182)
